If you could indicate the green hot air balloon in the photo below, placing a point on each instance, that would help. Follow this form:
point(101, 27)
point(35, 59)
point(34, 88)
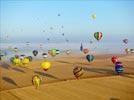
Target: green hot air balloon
point(98, 35)
point(93, 16)
point(53, 52)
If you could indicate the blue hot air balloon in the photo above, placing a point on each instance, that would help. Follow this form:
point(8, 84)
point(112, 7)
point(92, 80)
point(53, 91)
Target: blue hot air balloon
point(81, 47)
point(119, 67)
point(90, 58)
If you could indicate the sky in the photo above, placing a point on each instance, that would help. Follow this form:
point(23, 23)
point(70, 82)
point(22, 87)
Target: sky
point(31, 20)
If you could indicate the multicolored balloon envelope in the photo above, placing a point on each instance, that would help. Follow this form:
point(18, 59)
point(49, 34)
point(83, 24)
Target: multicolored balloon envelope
point(119, 67)
point(68, 52)
point(93, 16)
point(44, 55)
point(12, 59)
point(36, 81)
point(35, 52)
point(22, 56)
point(16, 61)
point(53, 52)
point(45, 65)
point(85, 50)
point(16, 49)
point(125, 41)
point(114, 59)
point(25, 61)
point(90, 58)
point(132, 50)
point(78, 72)
point(127, 50)
point(98, 35)
point(30, 58)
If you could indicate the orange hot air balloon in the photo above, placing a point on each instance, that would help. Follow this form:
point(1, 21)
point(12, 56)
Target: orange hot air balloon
point(114, 59)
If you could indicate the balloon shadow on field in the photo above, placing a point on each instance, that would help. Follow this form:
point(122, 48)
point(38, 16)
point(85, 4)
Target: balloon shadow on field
point(19, 70)
point(81, 63)
point(45, 74)
point(9, 80)
point(60, 61)
point(5, 65)
point(100, 70)
point(114, 99)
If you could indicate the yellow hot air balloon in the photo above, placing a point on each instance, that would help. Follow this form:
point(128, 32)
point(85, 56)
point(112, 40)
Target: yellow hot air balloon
point(16, 61)
point(36, 80)
point(45, 65)
point(93, 16)
point(25, 61)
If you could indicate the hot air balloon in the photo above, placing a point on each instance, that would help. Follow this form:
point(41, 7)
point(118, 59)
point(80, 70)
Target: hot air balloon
point(68, 52)
point(12, 59)
point(58, 14)
point(85, 50)
point(78, 72)
point(127, 50)
point(16, 49)
point(44, 55)
point(63, 34)
point(48, 39)
point(1, 56)
point(81, 47)
point(51, 28)
point(36, 81)
point(53, 52)
point(119, 67)
point(91, 41)
point(98, 35)
point(43, 30)
point(25, 61)
point(41, 45)
point(114, 59)
point(45, 65)
point(35, 52)
point(93, 16)
point(16, 61)
point(30, 58)
point(67, 40)
point(62, 26)
point(27, 43)
point(132, 50)
point(90, 58)
point(16, 56)
point(22, 56)
point(125, 41)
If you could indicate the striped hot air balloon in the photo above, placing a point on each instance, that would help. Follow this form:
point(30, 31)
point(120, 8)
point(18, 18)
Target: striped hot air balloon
point(53, 52)
point(78, 72)
point(98, 35)
point(119, 67)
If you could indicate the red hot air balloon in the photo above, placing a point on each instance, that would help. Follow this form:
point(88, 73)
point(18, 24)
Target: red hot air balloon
point(85, 51)
point(114, 59)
